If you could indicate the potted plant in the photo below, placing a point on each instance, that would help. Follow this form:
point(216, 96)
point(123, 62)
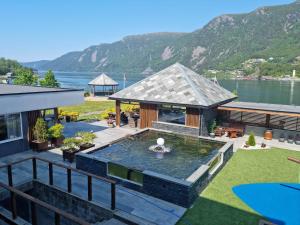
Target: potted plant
point(212, 127)
point(86, 140)
point(40, 133)
point(69, 148)
point(56, 134)
point(251, 140)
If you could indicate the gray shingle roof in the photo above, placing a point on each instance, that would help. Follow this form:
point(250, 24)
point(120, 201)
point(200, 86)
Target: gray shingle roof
point(9, 89)
point(176, 84)
point(103, 80)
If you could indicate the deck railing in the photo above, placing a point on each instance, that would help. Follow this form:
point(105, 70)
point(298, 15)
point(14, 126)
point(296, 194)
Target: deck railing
point(58, 213)
point(69, 170)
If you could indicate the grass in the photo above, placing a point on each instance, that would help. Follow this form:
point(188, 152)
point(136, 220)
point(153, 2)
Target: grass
point(89, 106)
point(218, 205)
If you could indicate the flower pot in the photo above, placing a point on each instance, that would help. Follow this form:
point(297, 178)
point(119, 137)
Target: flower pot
point(39, 146)
point(212, 135)
point(69, 155)
point(68, 119)
point(86, 146)
point(57, 142)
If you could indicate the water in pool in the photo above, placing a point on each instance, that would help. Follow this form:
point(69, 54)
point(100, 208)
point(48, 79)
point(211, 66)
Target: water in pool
point(186, 153)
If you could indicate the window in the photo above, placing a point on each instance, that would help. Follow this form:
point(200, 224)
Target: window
point(171, 114)
point(10, 127)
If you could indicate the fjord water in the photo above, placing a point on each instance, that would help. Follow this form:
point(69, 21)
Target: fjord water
point(268, 91)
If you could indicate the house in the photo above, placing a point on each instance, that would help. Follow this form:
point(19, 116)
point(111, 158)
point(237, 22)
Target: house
point(20, 106)
point(176, 98)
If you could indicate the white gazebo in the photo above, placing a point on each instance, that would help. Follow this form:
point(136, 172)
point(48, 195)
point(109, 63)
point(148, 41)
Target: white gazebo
point(109, 86)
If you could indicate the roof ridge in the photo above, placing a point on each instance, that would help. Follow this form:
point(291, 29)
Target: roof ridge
point(190, 82)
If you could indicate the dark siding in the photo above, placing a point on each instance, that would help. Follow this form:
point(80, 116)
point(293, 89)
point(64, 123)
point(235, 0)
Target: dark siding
point(13, 147)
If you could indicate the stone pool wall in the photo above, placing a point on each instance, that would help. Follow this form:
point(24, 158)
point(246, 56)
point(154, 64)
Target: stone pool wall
point(176, 128)
point(177, 191)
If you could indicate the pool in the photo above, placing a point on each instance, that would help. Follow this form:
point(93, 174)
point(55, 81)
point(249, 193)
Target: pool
point(186, 155)
point(278, 202)
point(176, 175)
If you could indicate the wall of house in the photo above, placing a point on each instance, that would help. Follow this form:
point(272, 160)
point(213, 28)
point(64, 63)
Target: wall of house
point(16, 146)
point(192, 117)
point(207, 116)
point(148, 113)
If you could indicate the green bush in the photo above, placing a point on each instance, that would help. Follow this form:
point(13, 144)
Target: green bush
point(86, 137)
point(251, 140)
point(56, 131)
point(40, 130)
point(212, 126)
point(71, 144)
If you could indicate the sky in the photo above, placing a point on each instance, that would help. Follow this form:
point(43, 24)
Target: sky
point(46, 29)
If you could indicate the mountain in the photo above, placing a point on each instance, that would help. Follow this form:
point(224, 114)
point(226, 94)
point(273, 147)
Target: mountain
point(224, 43)
point(36, 64)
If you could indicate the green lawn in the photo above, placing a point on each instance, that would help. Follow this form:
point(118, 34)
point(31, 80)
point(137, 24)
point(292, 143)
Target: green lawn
point(89, 106)
point(218, 205)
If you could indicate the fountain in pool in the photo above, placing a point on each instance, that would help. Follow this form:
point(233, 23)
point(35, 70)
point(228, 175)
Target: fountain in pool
point(160, 149)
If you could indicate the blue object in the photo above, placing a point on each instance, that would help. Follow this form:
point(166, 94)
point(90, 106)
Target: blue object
point(278, 202)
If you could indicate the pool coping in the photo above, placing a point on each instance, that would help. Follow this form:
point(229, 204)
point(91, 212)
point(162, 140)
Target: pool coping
point(192, 178)
point(158, 184)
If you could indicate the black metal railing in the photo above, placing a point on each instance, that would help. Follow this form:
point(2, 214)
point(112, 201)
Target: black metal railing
point(58, 213)
point(69, 170)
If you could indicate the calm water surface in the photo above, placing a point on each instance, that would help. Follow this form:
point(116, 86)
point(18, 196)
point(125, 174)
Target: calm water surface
point(186, 155)
point(280, 92)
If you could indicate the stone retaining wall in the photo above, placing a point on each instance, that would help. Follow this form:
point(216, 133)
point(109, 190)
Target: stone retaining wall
point(176, 128)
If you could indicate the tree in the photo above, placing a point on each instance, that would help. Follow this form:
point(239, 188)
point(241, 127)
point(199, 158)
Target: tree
point(25, 76)
point(49, 80)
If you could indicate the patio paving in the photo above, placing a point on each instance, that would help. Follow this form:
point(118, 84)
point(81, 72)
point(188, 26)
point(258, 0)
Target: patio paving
point(134, 203)
point(240, 142)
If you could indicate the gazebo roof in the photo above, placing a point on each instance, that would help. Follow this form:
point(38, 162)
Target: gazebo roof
point(103, 80)
point(176, 84)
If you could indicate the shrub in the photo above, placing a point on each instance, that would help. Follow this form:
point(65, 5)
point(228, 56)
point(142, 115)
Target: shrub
point(212, 126)
point(251, 140)
point(86, 137)
point(40, 130)
point(71, 144)
point(56, 131)
point(105, 114)
point(86, 94)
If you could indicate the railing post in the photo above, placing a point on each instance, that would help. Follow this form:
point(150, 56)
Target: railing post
point(33, 213)
point(13, 205)
point(57, 219)
point(50, 173)
point(90, 191)
point(9, 175)
point(34, 172)
point(69, 180)
point(113, 196)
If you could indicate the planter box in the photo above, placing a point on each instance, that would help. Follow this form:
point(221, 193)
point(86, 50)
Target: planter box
point(57, 142)
point(39, 146)
point(70, 155)
point(68, 119)
point(86, 146)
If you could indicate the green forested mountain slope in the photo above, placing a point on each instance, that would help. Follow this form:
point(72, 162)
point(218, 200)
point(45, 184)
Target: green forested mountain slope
point(224, 43)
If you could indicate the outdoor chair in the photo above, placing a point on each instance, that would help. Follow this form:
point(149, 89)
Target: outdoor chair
point(219, 132)
point(290, 139)
point(281, 138)
point(297, 139)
